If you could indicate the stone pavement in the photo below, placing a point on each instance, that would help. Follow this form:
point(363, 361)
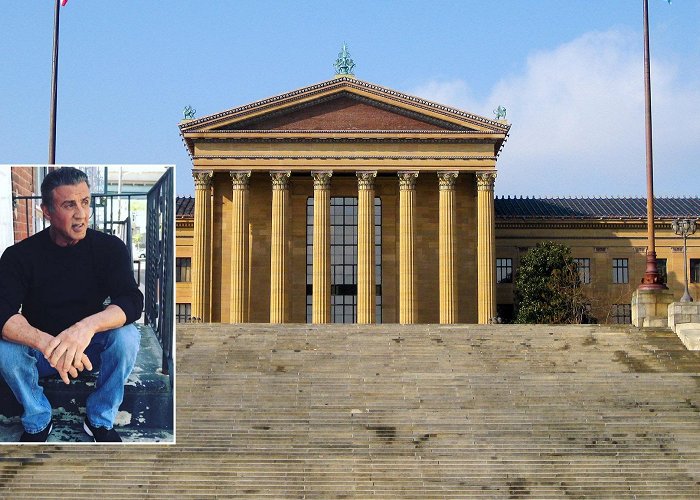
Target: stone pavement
point(393, 411)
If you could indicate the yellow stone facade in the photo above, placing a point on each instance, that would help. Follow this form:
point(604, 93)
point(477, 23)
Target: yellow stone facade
point(266, 174)
point(601, 241)
point(257, 166)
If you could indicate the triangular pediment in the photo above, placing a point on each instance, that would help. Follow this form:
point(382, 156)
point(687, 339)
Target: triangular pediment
point(344, 104)
point(343, 111)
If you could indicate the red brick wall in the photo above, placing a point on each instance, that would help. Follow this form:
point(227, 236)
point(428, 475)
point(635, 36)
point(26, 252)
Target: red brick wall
point(23, 185)
point(343, 113)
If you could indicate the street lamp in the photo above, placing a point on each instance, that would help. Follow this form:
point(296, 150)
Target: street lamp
point(685, 228)
point(650, 281)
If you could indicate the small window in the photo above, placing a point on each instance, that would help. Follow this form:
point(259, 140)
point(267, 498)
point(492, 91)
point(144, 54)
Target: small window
point(183, 313)
point(584, 269)
point(620, 271)
point(661, 268)
point(504, 270)
point(695, 270)
point(621, 314)
point(183, 269)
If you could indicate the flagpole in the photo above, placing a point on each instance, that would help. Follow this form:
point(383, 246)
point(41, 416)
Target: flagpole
point(54, 86)
point(650, 281)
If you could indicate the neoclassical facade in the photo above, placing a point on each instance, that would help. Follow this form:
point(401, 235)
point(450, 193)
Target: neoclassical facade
point(344, 201)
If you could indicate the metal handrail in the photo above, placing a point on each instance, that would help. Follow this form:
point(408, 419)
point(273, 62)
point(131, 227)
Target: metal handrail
point(159, 265)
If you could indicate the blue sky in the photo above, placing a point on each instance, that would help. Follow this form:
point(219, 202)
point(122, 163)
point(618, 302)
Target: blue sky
point(568, 71)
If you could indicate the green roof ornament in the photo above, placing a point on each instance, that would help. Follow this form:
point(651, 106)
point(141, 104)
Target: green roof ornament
point(344, 64)
point(189, 112)
point(500, 113)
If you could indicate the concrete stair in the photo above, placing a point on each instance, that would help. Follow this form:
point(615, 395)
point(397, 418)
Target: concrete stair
point(146, 414)
point(348, 411)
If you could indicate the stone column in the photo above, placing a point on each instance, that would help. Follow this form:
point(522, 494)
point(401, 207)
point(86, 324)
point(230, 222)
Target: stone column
point(201, 260)
point(407, 206)
point(448, 281)
point(486, 248)
point(278, 250)
point(321, 270)
point(239, 247)
point(365, 248)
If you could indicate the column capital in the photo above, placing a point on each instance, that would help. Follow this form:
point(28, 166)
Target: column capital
point(407, 180)
point(240, 178)
point(280, 179)
point(202, 178)
point(485, 181)
point(365, 179)
point(322, 179)
point(447, 180)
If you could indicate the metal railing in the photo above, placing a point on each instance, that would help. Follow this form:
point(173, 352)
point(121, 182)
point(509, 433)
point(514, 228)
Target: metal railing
point(159, 265)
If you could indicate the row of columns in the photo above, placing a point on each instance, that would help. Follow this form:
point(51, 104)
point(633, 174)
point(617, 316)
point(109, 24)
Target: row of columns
point(321, 278)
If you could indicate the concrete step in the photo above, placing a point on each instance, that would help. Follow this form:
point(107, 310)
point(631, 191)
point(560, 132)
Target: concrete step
point(424, 411)
point(145, 415)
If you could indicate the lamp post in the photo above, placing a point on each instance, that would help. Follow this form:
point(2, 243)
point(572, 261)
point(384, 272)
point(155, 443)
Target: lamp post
point(685, 228)
point(54, 85)
point(651, 280)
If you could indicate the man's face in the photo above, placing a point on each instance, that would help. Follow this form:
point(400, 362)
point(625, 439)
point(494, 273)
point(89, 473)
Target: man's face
point(70, 215)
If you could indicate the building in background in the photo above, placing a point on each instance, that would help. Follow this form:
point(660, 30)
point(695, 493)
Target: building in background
point(343, 201)
point(350, 202)
point(607, 237)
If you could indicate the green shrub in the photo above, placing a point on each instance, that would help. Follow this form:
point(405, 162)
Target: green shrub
point(548, 287)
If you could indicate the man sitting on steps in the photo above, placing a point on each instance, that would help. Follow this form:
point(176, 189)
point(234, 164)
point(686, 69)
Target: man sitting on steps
point(53, 287)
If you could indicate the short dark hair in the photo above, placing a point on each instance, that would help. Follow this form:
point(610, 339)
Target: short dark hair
point(64, 176)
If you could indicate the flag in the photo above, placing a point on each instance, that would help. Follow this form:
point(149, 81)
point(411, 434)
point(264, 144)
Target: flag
point(64, 2)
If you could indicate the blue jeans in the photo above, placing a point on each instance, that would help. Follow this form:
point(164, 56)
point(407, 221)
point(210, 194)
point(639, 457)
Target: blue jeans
point(113, 352)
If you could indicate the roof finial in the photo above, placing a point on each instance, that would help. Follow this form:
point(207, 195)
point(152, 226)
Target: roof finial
point(344, 64)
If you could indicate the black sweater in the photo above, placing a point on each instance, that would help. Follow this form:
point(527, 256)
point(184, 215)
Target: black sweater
point(58, 286)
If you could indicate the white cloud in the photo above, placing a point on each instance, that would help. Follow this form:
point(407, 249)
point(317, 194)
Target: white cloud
point(577, 115)
point(455, 93)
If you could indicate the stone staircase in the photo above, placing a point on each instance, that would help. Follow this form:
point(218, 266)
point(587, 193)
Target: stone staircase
point(424, 411)
point(146, 414)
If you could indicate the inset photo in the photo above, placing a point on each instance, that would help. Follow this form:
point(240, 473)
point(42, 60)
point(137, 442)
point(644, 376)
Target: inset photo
point(86, 304)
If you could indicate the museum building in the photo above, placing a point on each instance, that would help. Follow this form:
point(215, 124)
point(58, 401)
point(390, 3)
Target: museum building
point(346, 201)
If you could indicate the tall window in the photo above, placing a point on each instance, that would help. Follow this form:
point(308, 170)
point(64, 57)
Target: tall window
point(584, 269)
point(344, 258)
point(620, 271)
point(661, 268)
point(695, 270)
point(183, 269)
point(621, 314)
point(504, 270)
point(183, 312)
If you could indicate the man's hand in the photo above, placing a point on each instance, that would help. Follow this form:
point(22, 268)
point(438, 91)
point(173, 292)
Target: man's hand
point(65, 351)
point(19, 331)
point(73, 370)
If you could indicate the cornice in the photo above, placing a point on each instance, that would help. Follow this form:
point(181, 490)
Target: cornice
point(360, 134)
point(327, 136)
point(341, 157)
point(576, 224)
